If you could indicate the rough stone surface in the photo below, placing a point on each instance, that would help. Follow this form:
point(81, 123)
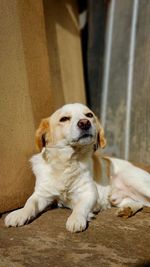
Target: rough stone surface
point(108, 241)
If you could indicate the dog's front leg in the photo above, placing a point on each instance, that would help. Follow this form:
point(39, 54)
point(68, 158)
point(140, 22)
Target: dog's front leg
point(77, 221)
point(34, 205)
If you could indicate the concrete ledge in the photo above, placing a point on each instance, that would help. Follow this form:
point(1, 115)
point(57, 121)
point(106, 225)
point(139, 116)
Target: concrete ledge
point(108, 241)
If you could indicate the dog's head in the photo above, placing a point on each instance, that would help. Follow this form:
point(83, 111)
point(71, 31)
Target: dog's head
point(74, 125)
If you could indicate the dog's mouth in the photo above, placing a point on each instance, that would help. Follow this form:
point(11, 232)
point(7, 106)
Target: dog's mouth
point(84, 136)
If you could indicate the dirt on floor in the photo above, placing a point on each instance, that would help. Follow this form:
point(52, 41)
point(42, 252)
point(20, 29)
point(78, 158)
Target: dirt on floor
point(108, 241)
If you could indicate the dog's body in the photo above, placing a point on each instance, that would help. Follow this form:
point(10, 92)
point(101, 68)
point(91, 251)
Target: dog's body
point(69, 170)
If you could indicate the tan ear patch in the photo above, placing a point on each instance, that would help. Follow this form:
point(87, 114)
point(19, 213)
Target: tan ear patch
point(41, 132)
point(102, 139)
point(101, 135)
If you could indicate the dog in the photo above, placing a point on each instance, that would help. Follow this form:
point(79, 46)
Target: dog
point(70, 170)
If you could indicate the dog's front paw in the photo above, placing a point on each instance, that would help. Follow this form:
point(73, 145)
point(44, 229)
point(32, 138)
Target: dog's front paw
point(76, 223)
point(17, 218)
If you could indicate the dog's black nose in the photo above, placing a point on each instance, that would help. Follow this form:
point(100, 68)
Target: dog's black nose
point(84, 124)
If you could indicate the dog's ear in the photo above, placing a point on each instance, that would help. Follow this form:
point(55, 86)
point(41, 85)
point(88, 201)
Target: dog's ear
point(42, 134)
point(101, 140)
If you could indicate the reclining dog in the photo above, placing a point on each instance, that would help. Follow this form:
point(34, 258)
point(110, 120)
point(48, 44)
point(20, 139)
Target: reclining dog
point(70, 170)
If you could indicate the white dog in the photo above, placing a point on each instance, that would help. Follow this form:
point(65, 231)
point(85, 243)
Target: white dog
point(70, 170)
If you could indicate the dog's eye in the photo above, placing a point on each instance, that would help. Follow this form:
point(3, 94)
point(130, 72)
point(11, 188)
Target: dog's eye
point(89, 115)
point(63, 119)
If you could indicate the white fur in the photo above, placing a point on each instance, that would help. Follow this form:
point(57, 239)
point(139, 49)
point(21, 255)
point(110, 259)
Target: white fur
point(129, 182)
point(65, 172)
point(73, 187)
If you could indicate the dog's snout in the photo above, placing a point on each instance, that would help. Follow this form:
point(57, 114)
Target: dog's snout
point(84, 124)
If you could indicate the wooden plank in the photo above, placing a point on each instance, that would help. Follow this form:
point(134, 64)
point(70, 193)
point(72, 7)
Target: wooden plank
point(34, 42)
point(140, 115)
point(64, 48)
point(25, 95)
point(34, 82)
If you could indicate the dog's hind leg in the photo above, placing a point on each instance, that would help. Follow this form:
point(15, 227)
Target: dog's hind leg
point(128, 207)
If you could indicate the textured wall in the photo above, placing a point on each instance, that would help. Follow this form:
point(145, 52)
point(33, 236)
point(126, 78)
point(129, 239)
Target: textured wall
point(32, 83)
point(128, 100)
point(121, 94)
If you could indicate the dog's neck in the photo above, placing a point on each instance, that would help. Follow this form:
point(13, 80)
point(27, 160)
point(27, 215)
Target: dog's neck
point(67, 153)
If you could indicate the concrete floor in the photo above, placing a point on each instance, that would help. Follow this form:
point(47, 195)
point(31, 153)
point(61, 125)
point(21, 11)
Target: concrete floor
point(108, 241)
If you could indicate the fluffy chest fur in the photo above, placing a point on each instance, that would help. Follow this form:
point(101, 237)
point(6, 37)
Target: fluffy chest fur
point(61, 175)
